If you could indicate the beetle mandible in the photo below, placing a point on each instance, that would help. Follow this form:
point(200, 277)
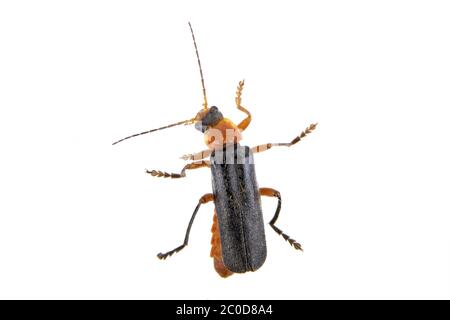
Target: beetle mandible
point(238, 237)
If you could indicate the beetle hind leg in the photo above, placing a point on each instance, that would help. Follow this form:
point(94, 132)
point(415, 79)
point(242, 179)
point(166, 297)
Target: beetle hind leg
point(204, 199)
point(269, 192)
point(163, 256)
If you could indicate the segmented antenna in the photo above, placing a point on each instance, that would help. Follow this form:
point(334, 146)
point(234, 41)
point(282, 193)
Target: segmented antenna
point(190, 121)
point(153, 130)
point(205, 103)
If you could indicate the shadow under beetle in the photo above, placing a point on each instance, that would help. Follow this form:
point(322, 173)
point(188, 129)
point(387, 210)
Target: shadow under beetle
point(238, 238)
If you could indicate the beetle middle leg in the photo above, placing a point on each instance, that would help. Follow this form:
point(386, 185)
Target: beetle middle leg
point(267, 146)
point(182, 174)
point(204, 199)
point(269, 192)
point(244, 123)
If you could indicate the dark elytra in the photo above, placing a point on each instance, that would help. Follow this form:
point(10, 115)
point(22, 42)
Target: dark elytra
point(238, 206)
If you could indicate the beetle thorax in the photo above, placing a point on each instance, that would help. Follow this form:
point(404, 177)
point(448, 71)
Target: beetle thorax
point(224, 132)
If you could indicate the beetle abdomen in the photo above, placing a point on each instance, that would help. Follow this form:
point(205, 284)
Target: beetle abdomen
point(216, 250)
point(238, 207)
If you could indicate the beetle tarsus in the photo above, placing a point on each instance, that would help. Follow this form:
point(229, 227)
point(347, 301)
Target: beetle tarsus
point(197, 156)
point(187, 157)
point(163, 174)
point(164, 256)
point(267, 146)
point(182, 174)
point(246, 122)
point(269, 192)
point(291, 241)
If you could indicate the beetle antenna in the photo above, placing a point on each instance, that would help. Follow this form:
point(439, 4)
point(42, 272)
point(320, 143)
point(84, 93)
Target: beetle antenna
point(153, 130)
point(205, 102)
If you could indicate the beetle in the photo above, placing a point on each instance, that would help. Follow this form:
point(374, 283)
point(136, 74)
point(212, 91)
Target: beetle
point(238, 243)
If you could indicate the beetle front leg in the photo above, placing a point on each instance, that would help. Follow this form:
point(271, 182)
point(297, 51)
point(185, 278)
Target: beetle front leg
point(204, 199)
point(244, 123)
point(269, 192)
point(182, 174)
point(197, 156)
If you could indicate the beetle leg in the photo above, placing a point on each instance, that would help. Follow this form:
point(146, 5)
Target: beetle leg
point(204, 199)
point(269, 192)
point(244, 123)
point(197, 156)
point(182, 174)
point(267, 146)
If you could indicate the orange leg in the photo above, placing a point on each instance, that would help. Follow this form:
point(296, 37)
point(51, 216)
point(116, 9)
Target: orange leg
point(182, 174)
point(197, 156)
point(204, 199)
point(267, 146)
point(244, 123)
point(269, 192)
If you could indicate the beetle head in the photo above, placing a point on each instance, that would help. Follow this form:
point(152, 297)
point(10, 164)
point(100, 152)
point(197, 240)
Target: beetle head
point(207, 118)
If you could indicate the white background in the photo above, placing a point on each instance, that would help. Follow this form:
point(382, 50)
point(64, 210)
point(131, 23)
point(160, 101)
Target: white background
point(367, 194)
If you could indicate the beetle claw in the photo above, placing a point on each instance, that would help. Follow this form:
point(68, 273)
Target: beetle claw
point(161, 256)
